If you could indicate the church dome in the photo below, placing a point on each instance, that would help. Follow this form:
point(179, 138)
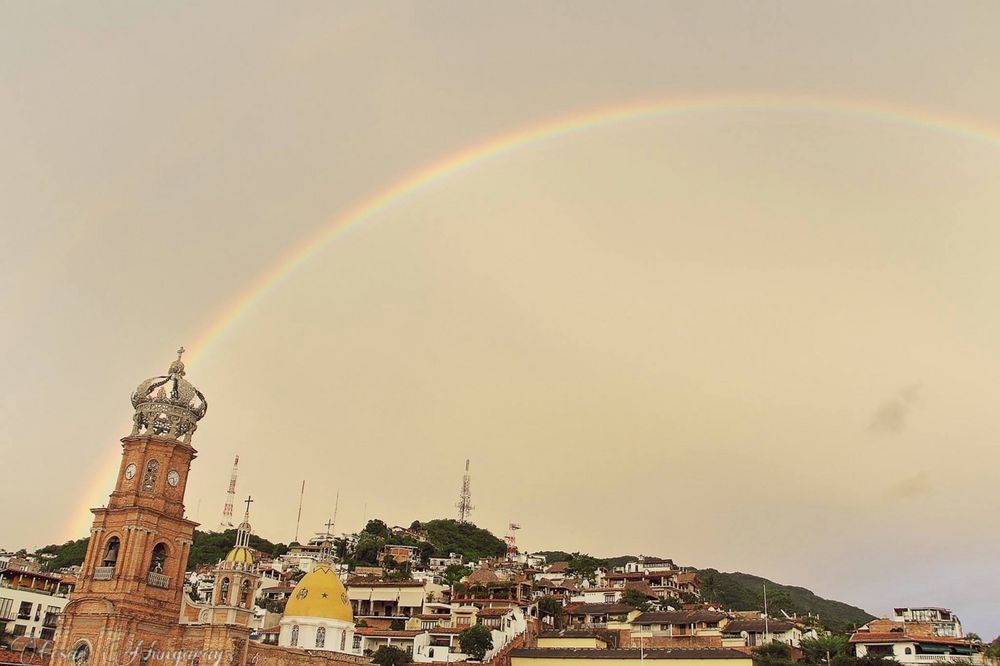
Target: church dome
point(168, 405)
point(320, 594)
point(240, 555)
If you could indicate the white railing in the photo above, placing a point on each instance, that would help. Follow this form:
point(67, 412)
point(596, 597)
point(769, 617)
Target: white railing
point(103, 573)
point(158, 579)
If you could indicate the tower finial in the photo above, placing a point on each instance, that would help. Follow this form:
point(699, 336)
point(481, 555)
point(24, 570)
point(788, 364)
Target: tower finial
point(177, 367)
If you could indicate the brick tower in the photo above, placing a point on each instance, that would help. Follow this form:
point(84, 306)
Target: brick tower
point(128, 596)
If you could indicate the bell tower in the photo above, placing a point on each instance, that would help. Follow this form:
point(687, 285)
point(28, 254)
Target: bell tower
point(131, 583)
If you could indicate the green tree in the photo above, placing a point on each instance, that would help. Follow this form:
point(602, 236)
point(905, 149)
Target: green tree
point(390, 655)
point(453, 574)
point(476, 641)
point(771, 654)
point(397, 624)
point(584, 566)
point(377, 528)
point(550, 606)
point(823, 648)
point(272, 605)
point(368, 549)
point(635, 599)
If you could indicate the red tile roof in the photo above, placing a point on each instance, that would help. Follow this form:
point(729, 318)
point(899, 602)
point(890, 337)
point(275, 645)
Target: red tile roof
point(482, 576)
point(901, 637)
point(389, 633)
point(597, 609)
point(679, 617)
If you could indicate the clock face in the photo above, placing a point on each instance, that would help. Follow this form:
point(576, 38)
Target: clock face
point(173, 478)
point(130, 471)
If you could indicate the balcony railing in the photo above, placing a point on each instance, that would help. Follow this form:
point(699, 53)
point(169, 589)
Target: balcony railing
point(50, 620)
point(158, 579)
point(103, 573)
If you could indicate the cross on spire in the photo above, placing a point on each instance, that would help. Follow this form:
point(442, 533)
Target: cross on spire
point(249, 500)
point(329, 526)
point(180, 352)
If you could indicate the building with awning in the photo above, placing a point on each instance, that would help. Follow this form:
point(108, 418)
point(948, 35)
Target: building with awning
point(911, 650)
point(395, 599)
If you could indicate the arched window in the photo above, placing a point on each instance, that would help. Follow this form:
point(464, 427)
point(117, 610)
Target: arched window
point(244, 593)
point(149, 476)
point(343, 640)
point(321, 637)
point(81, 654)
point(295, 636)
point(111, 552)
point(908, 650)
point(224, 593)
point(159, 559)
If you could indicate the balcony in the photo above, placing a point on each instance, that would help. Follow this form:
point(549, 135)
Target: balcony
point(50, 620)
point(103, 573)
point(158, 580)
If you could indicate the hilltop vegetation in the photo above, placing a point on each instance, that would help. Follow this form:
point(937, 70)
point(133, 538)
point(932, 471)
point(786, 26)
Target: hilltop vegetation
point(208, 548)
point(451, 536)
point(745, 592)
point(442, 537)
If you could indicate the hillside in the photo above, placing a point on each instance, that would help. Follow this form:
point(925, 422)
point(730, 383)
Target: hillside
point(737, 591)
point(745, 592)
point(740, 591)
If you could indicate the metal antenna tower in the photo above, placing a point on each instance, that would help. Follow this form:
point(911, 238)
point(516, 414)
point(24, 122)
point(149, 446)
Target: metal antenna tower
point(465, 499)
point(511, 539)
point(227, 511)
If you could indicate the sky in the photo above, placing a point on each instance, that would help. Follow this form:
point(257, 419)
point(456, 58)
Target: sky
point(755, 331)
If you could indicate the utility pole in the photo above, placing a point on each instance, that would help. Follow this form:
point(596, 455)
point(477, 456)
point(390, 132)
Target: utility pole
point(298, 520)
point(766, 632)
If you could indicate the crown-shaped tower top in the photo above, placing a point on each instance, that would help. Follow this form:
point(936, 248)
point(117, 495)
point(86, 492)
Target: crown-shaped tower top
point(168, 405)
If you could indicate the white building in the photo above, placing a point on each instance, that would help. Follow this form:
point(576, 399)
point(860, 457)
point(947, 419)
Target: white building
point(30, 602)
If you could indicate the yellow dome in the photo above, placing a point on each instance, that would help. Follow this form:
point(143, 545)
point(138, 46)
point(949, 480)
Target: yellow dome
point(320, 594)
point(240, 555)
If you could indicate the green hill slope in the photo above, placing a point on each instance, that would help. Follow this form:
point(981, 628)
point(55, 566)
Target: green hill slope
point(741, 591)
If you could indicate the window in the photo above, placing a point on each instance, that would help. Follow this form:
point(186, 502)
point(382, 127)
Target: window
point(224, 593)
point(356, 643)
point(908, 651)
point(19, 629)
point(6, 612)
point(159, 556)
point(24, 612)
point(295, 636)
point(111, 552)
point(343, 640)
point(149, 477)
point(81, 654)
point(321, 637)
point(244, 593)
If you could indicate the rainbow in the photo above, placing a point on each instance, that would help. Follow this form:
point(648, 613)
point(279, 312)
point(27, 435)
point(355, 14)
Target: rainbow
point(504, 144)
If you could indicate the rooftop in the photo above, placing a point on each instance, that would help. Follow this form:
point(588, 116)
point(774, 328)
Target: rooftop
point(590, 653)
